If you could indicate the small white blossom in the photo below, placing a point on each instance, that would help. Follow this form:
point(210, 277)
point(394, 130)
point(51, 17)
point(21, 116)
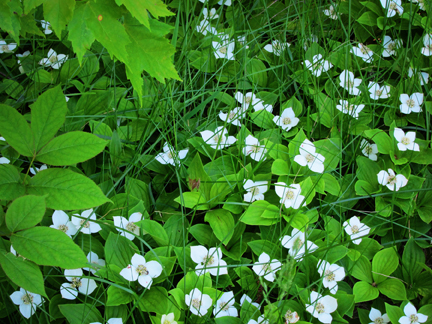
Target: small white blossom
point(390, 46)
point(309, 157)
point(376, 317)
point(198, 302)
point(47, 27)
point(251, 100)
point(331, 274)
point(331, 12)
point(208, 260)
point(355, 229)
point(377, 92)
point(224, 2)
point(253, 148)
point(290, 195)
point(406, 141)
point(320, 307)
point(225, 306)
point(218, 139)
point(7, 48)
point(4, 160)
point(53, 59)
point(411, 315)
point(255, 190)
point(411, 103)
point(364, 52)
point(391, 180)
point(84, 224)
point(350, 109)
point(261, 320)
point(128, 228)
point(93, 258)
point(27, 301)
point(318, 65)
point(76, 284)
point(168, 319)
point(427, 42)
point(291, 317)
point(224, 49)
point(114, 320)
point(265, 267)
point(349, 83)
point(142, 271)
point(34, 170)
point(287, 120)
point(369, 150)
point(210, 15)
point(297, 244)
point(276, 47)
point(423, 76)
point(309, 40)
point(170, 156)
point(392, 7)
point(247, 298)
point(23, 55)
point(204, 28)
point(234, 116)
point(62, 223)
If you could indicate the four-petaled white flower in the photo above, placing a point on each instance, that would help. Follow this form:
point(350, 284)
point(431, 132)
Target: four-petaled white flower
point(84, 223)
point(250, 99)
point(210, 15)
point(168, 319)
point(218, 139)
point(204, 28)
point(355, 229)
point(142, 271)
point(331, 12)
point(53, 59)
point(97, 263)
point(390, 46)
point(406, 141)
point(7, 48)
point(376, 317)
point(224, 48)
point(350, 109)
point(198, 302)
point(421, 3)
point(27, 301)
point(411, 103)
point(318, 65)
point(47, 27)
point(287, 120)
point(170, 156)
point(423, 76)
point(411, 315)
point(225, 306)
point(290, 195)
point(364, 52)
point(69, 290)
point(297, 244)
point(4, 160)
point(377, 92)
point(113, 320)
point(349, 83)
point(23, 55)
point(265, 267)
point(249, 300)
point(392, 7)
point(331, 274)
point(321, 307)
point(125, 226)
point(308, 40)
point(234, 116)
point(34, 170)
point(391, 180)
point(309, 157)
point(369, 150)
point(62, 223)
point(291, 317)
point(255, 190)
point(208, 260)
point(254, 149)
point(276, 47)
point(427, 42)
point(261, 320)
point(225, 2)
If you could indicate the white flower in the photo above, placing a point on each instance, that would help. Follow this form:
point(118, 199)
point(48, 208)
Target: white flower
point(142, 270)
point(168, 319)
point(93, 258)
point(62, 223)
point(114, 320)
point(291, 317)
point(369, 150)
point(309, 157)
point(376, 317)
point(331, 12)
point(364, 52)
point(254, 149)
point(54, 60)
point(125, 226)
point(233, 117)
point(390, 46)
point(287, 120)
point(321, 307)
point(297, 244)
point(27, 301)
point(218, 139)
point(355, 229)
point(318, 65)
point(225, 306)
point(391, 180)
point(350, 109)
point(427, 42)
point(423, 76)
point(67, 98)
point(276, 47)
point(204, 27)
point(265, 267)
point(406, 141)
point(198, 302)
point(25, 54)
point(309, 40)
point(290, 195)
point(246, 297)
point(349, 83)
point(83, 285)
point(169, 156)
point(377, 92)
point(331, 274)
point(224, 49)
point(34, 170)
point(7, 48)
point(261, 320)
point(224, 2)
point(47, 27)
point(255, 190)
point(242, 40)
point(84, 223)
point(392, 7)
point(411, 103)
point(210, 16)
point(411, 315)
point(4, 160)
point(2, 139)
point(249, 99)
point(208, 260)
point(421, 4)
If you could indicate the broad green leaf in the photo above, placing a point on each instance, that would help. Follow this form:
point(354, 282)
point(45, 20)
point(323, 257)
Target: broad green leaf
point(260, 246)
point(11, 185)
point(203, 234)
point(198, 177)
point(119, 296)
point(193, 200)
point(393, 289)
point(364, 292)
point(48, 246)
point(331, 184)
point(66, 190)
point(384, 263)
point(367, 170)
point(48, 114)
point(119, 250)
point(25, 212)
point(138, 9)
point(413, 260)
point(254, 214)
point(58, 13)
point(23, 273)
point(280, 167)
point(369, 18)
point(8, 22)
point(16, 130)
point(81, 313)
point(30, 4)
point(381, 139)
point(364, 188)
point(394, 313)
point(361, 269)
point(154, 300)
point(71, 148)
point(222, 223)
point(155, 230)
point(140, 190)
point(256, 72)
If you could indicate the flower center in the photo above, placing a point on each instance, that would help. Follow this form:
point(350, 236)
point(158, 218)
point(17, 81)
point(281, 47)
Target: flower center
point(413, 318)
point(170, 155)
point(349, 84)
point(298, 243)
point(379, 320)
point(5, 48)
point(289, 195)
point(393, 6)
point(378, 93)
point(266, 268)
point(196, 303)
point(368, 149)
point(166, 322)
point(63, 228)
point(350, 108)
point(364, 49)
point(291, 317)
point(27, 299)
point(53, 58)
point(286, 121)
point(320, 308)
point(329, 275)
point(410, 103)
point(254, 191)
point(248, 99)
point(224, 306)
point(255, 148)
point(391, 46)
point(354, 229)
point(131, 227)
point(84, 223)
point(76, 283)
point(231, 115)
point(216, 138)
point(405, 140)
point(142, 270)
point(223, 50)
point(208, 260)
point(391, 180)
point(310, 158)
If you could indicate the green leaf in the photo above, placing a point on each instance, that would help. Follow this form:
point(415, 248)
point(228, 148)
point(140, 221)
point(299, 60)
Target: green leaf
point(25, 212)
point(413, 260)
point(203, 234)
point(197, 174)
point(369, 18)
point(393, 289)
point(58, 13)
point(384, 263)
point(138, 9)
point(140, 190)
point(119, 296)
point(361, 269)
point(381, 139)
point(154, 300)
point(364, 292)
point(81, 313)
point(260, 246)
point(374, 7)
point(280, 167)
point(48, 114)
point(254, 215)
point(394, 313)
point(66, 190)
point(11, 186)
point(71, 148)
point(255, 71)
point(48, 246)
point(8, 21)
point(155, 230)
point(23, 273)
point(30, 4)
point(16, 130)
point(119, 250)
point(193, 200)
point(222, 223)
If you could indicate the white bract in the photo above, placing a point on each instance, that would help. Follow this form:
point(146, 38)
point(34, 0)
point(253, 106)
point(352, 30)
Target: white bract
point(97, 263)
point(369, 150)
point(225, 306)
point(309, 157)
point(224, 49)
point(34, 170)
point(253, 148)
point(210, 15)
point(421, 3)
point(4, 160)
point(355, 229)
point(53, 59)
point(331, 12)
point(249, 300)
point(76, 284)
point(114, 320)
point(168, 319)
point(47, 27)
point(23, 55)
point(297, 244)
point(350, 109)
point(291, 317)
point(250, 99)
point(391, 180)
point(7, 48)
point(290, 195)
point(390, 46)
point(392, 7)
point(261, 320)
point(128, 228)
point(349, 83)
point(234, 116)
point(204, 28)
point(170, 156)
point(331, 274)
point(26, 301)
point(198, 302)
point(142, 271)
point(321, 307)
point(287, 120)
point(377, 92)
point(276, 47)
point(255, 190)
point(265, 267)
point(218, 139)
point(411, 315)
point(309, 40)
point(376, 317)
point(318, 65)
point(411, 103)
point(208, 260)
point(423, 76)
point(84, 224)
point(427, 42)
point(62, 223)
point(224, 2)
point(406, 141)
point(364, 52)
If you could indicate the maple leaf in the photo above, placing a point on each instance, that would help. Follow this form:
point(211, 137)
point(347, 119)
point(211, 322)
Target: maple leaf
point(138, 9)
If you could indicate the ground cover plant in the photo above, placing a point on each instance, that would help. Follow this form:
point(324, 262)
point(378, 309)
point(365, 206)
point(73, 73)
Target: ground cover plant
point(215, 161)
